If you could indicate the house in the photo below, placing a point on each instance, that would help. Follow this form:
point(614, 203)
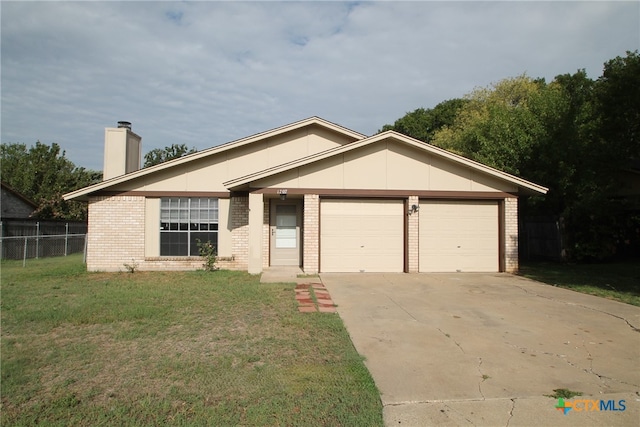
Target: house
point(14, 205)
point(311, 194)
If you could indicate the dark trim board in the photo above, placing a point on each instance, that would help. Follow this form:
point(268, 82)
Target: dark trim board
point(367, 193)
point(156, 194)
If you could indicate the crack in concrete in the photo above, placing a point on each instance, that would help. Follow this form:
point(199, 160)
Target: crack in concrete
point(402, 308)
point(483, 377)
point(456, 342)
point(513, 407)
point(564, 358)
point(444, 401)
point(633, 328)
point(590, 359)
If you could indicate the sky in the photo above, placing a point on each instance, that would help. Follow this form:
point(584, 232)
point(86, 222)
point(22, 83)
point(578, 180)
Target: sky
point(208, 72)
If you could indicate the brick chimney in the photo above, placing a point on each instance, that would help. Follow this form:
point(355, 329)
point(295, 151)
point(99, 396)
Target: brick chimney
point(122, 151)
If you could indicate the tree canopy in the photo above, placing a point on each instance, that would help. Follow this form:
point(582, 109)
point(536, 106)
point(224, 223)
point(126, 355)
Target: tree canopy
point(572, 135)
point(161, 155)
point(43, 174)
point(423, 123)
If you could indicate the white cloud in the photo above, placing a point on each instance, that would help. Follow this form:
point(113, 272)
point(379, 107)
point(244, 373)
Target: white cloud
point(204, 73)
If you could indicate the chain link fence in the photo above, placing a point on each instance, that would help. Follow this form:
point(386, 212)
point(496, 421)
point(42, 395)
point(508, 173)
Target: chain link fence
point(26, 238)
point(29, 247)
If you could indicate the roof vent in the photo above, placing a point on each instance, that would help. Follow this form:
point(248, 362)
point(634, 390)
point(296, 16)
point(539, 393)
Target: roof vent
point(125, 125)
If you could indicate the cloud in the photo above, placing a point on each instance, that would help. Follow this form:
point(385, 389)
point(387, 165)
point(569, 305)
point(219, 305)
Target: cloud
point(205, 73)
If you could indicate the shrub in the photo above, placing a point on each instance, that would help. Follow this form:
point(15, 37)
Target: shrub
point(209, 254)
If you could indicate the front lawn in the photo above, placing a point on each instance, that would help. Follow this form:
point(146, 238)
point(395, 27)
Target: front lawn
point(619, 281)
point(182, 348)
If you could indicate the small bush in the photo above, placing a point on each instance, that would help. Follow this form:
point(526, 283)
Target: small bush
point(131, 268)
point(209, 254)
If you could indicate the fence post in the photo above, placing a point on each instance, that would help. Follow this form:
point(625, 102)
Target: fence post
point(84, 257)
point(24, 256)
point(66, 237)
point(37, 239)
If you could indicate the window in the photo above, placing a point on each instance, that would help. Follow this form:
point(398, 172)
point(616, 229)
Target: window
point(184, 221)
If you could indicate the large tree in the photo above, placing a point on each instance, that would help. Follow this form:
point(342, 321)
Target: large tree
point(161, 155)
point(618, 101)
point(423, 123)
point(573, 135)
point(43, 174)
point(505, 124)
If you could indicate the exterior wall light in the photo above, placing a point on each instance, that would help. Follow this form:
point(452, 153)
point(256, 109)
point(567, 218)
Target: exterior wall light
point(283, 194)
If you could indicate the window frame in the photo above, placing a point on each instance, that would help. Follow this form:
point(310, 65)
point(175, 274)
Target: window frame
point(183, 220)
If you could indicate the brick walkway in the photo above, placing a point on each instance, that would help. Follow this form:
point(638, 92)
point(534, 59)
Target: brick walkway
point(305, 296)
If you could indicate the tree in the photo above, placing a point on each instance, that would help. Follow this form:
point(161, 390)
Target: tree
point(503, 125)
point(43, 174)
point(573, 135)
point(423, 123)
point(618, 100)
point(161, 155)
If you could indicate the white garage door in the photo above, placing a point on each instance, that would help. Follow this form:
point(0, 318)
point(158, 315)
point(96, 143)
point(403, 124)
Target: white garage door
point(459, 236)
point(361, 236)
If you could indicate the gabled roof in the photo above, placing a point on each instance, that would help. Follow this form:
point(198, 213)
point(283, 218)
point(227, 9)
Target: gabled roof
point(19, 195)
point(529, 187)
point(215, 150)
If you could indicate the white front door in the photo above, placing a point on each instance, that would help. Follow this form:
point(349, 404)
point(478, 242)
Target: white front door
point(285, 233)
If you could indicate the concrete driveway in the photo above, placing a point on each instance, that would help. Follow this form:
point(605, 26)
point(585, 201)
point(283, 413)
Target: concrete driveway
point(485, 349)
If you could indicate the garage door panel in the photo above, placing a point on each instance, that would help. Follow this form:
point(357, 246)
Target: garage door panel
point(361, 235)
point(459, 236)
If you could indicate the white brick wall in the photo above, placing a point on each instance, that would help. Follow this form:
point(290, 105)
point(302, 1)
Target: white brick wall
point(115, 233)
point(511, 235)
point(116, 237)
point(413, 235)
point(311, 255)
point(240, 232)
point(265, 235)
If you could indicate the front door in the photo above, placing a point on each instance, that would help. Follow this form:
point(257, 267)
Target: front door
point(285, 233)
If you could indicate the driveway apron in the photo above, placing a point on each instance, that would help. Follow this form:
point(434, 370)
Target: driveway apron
point(486, 349)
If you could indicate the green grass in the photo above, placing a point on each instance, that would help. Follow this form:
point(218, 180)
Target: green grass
point(618, 281)
point(179, 348)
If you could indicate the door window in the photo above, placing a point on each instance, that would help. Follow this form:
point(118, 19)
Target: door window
point(286, 217)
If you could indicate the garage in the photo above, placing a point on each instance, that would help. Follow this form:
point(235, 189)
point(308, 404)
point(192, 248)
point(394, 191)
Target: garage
point(361, 236)
point(459, 236)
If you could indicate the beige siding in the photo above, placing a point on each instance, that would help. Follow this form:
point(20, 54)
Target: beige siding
point(152, 228)
point(224, 228)
point(366, 167)
point(459, 236)
point(403, 160)
point(122, 152)
point(361, 236)
point(209, 173)
point(329, 172)
point(386, 166)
